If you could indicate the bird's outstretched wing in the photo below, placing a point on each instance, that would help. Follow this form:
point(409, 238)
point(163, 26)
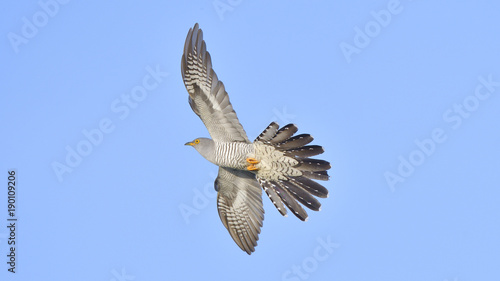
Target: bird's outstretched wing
point(207, 95)
point(239, 202)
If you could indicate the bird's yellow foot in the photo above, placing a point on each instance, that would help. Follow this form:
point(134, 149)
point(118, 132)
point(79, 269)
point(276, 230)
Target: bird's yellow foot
point(252, 160)
point(252, 167)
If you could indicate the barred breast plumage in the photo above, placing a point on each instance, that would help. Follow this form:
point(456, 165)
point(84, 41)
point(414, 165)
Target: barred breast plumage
point(233, 154)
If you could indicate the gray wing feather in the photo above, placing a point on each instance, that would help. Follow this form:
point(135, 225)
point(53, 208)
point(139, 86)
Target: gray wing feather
point(207, 95)
point(239, 202)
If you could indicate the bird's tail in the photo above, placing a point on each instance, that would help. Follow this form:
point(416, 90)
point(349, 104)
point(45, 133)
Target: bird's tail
point(295, 180)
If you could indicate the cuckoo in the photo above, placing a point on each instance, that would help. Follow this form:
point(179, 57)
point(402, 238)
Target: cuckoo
point(278, 160)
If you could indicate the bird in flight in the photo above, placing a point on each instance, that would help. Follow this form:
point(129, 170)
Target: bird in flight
point(276, 161)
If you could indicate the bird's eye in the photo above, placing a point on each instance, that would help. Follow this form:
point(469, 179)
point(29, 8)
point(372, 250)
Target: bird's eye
point(197, 141)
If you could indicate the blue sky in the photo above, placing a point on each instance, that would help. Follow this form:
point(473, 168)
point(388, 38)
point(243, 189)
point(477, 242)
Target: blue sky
point(403, 95)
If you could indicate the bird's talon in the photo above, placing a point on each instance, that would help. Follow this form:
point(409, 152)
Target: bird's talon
point(252, 168)
point(252, 160)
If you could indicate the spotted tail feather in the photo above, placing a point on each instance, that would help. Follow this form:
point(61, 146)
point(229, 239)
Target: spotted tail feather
point(291, 190)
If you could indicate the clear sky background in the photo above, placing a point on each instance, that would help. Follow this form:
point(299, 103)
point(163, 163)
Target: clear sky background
point(404, 96)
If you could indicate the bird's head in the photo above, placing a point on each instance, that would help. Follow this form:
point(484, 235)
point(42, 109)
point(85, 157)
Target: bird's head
point(204, 146)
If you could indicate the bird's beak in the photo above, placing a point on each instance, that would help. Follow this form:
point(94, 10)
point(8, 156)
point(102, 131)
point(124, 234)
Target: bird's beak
point(189, 143)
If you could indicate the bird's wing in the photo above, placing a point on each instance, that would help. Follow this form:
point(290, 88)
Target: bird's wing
point(207, 95)
point(239, 202)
